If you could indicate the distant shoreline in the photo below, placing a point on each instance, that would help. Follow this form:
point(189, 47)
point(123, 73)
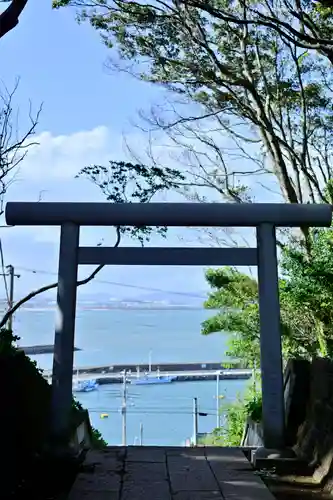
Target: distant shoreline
point(117, 308)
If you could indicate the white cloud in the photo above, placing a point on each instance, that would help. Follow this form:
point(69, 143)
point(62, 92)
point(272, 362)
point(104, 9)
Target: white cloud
point(49, 169)
point(48, 173)
point(62, 156)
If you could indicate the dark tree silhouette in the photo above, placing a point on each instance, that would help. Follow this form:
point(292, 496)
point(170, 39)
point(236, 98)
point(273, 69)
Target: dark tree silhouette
point(9, 18)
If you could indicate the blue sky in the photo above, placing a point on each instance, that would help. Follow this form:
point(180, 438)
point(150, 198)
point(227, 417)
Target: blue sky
point(86, 112)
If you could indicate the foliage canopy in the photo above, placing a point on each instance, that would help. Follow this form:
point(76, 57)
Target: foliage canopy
point(258, 73)
point(306, 298)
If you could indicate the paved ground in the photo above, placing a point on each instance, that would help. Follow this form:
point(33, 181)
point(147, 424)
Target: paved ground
point(149, 473)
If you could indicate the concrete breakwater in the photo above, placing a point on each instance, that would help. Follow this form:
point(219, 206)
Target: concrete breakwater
point(116, 376)
point(181, 377)
point(34, 350)
point(163, 368)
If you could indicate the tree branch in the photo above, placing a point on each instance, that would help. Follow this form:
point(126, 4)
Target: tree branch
point(10, 17)
point(46, 288)
point(13, 145)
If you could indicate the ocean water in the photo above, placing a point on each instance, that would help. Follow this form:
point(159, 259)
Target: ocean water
point(107, 337)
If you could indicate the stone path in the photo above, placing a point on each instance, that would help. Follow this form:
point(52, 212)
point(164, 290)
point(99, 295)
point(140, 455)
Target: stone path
point(156, 473)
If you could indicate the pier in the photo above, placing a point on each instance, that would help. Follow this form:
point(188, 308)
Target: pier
point(181, 373)
point(117, 369)
point(33, 350)
point(104, 379)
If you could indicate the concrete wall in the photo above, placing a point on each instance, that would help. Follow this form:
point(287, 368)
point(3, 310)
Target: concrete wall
point(296, 390)
point(315, 434)
point(253, 435)
point(309, 420)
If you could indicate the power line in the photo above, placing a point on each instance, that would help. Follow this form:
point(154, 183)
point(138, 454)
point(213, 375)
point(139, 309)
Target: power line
point(150, 289)
point(36, 271)
point(161, 409)
point(125, 285)
point(135, 407)
point(140, 412)
point(161, 398)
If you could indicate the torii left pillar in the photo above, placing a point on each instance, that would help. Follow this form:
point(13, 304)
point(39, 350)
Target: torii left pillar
point(62, 376)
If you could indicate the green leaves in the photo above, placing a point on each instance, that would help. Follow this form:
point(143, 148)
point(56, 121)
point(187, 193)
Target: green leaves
point(234, 417)
point(232, 281)
point(306, 303)
point(235, 296)
point(7, 340)
point(308, 288)
point(122, 182)
point(236, 61)
point(253, 408)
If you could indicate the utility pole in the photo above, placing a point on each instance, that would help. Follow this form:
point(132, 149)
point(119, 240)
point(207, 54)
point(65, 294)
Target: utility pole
point(123, 410)
point(149, 361)
point(195, 421)
point(11, 294)
point(254, 376)
point(11, 273)
point(141, 434)
point(218, 399)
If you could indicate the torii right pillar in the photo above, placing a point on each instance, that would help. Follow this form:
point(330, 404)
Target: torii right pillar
point(270, 339)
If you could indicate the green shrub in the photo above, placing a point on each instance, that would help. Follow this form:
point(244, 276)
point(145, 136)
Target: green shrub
point(25, 415)
point(97, 440)
point(26, 398)
point(235, 416)
point(253, 408)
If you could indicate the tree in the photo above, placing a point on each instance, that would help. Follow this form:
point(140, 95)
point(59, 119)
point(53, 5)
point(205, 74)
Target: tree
point(306, 300)
point(235, 415)
point(303, 22)
point(9, 18)
point(120, 182)
point(308, 288)
point(235, 296)
point(13, 146)
point(238, 70)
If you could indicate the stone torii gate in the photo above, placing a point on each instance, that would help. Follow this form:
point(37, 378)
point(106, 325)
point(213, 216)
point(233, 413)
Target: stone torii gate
point(264, 217)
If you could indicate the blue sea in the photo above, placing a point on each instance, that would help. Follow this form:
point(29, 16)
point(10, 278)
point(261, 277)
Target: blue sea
point(111, 336)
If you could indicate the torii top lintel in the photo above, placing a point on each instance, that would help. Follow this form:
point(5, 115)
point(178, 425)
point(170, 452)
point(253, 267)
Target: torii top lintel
point(168, 214)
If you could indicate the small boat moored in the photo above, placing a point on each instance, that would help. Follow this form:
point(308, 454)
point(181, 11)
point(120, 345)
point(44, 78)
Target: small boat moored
point(85, 385)
point(147, 380)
